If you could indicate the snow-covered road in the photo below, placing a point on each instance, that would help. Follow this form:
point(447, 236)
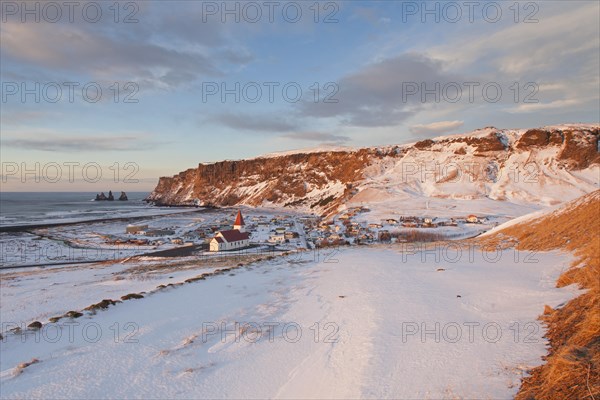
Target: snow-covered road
point(376, 323)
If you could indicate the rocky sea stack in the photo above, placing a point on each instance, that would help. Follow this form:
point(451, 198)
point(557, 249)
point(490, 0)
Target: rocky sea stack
point(102, 197)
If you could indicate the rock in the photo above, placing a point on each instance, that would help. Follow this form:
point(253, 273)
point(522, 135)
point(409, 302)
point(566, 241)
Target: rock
point(424, 144)
point(100, 197)
point(35, 325)
point(73, 314)
point(195, 279)
point(534, 137)
point(104, 304)
point(123, 196)
point(580, 150)
point(110, 196)
point(132, 296)
point(54, 320)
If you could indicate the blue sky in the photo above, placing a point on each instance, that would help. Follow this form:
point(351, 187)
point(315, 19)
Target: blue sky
point(369, 53)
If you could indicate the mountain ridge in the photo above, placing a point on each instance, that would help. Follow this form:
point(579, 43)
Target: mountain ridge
point(545, 165)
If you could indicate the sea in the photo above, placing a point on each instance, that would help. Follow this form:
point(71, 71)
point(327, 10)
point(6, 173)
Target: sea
point(32, 208)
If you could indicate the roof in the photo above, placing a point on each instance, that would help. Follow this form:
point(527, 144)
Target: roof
point(239, 220)
point(234, 235)
point(218, 239)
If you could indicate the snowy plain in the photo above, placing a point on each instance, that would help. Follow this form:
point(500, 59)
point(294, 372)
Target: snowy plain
point(439, 322)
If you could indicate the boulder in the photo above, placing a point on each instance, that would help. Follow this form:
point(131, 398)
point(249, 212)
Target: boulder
point(35, 325)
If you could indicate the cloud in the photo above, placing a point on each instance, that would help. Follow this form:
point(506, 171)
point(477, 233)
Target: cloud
point(81, 143)
point(562, 61)
point(74, 50)
point(552, 105)
point(530, 48)
point(435, 127)
point(317, 136)
point(374, 96)
point(257, 123)
point(17, 117)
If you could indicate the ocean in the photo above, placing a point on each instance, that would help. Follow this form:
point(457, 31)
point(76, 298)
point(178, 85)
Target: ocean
point(30, 208)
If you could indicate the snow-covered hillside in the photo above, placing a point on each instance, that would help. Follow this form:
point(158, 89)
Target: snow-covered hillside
point(538, 167)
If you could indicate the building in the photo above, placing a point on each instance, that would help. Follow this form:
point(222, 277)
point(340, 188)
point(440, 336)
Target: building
point(232, 239)
point(239, 223)
point(141, 229)
point(472, 219)
point(277, 238)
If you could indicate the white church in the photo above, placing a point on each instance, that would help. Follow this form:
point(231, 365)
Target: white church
point(233, 239)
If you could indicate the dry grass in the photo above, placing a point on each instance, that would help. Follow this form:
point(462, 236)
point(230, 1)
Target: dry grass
point(572, 368)
point(415, 235)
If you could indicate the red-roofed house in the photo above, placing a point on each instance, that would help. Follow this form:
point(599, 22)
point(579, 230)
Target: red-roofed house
point(232, 239)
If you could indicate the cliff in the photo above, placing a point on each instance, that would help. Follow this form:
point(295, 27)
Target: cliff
point(547, 165)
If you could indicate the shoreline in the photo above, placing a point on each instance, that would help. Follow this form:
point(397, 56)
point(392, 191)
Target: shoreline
point(21, 228)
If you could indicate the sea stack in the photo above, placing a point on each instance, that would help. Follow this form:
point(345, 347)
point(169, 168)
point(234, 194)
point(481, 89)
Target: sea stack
point(123, 196)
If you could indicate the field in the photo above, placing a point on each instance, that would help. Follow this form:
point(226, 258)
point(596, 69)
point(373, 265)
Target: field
point(310, 325)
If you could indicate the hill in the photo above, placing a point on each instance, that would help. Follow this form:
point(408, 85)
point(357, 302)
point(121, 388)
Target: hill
point(572, 370)
point(543, 166)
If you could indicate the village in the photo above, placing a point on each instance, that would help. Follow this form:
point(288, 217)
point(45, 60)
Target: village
point(286, 232)
point(208, 232)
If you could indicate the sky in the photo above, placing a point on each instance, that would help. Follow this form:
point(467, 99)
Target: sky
point(105, 95)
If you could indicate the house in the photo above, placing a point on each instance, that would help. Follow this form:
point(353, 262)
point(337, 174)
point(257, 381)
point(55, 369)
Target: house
point(472, 219)
point(278, 238)
point(141, 229)
point(232, 239)
point(291, 235)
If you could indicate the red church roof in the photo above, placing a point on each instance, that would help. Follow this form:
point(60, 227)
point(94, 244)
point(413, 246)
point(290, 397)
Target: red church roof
point(234, 235)
point(239, 220)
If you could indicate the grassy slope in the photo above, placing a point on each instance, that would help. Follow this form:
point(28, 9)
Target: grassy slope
point(572, 368)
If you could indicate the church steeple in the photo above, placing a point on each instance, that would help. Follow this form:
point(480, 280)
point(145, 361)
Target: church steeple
point(239, 223)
